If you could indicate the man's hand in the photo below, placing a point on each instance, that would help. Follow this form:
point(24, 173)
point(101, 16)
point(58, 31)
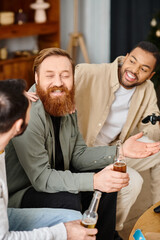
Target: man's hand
point(32, 96)
point(76, 231)
point(136, 149)
point(108, 180)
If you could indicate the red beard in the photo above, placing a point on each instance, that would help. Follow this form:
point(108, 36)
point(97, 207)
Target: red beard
point(57, 106)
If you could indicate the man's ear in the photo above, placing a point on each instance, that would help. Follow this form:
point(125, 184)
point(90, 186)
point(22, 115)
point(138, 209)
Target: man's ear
point(152, 74)
point(17, 126)
point(36, 78)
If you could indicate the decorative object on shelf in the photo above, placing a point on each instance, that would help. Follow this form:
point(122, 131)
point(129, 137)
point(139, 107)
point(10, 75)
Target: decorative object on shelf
point(23, 53)
point(6, 18)
point(3, 53)
point(20, 17)
point(35, 51)
point(40, 6)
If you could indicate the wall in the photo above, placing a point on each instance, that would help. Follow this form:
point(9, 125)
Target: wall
point(21, 44)
point(94, 23)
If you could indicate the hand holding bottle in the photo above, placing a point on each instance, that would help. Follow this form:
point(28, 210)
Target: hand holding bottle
point(108, 180)
point(76, 231)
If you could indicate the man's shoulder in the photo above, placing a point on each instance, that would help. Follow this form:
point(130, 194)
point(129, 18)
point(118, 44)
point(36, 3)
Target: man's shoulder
point(148, 85)
point(91, 73)
point(10, 150)
point(37, 109)
point(32, 88)
point(88, 70)
point(40, 121)
point(92, 70)
point(91, 66)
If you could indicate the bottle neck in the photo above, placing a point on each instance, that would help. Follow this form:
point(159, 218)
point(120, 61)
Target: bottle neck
point(93, 207)
point(118, 146)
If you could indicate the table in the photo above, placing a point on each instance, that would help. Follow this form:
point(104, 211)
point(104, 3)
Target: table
point(149, 221)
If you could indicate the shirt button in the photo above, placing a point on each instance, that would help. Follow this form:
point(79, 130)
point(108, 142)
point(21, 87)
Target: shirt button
point(109, 157)
point(95, 161)
point(99, 124)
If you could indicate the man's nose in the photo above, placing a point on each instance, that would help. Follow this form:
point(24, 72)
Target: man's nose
point(58, 81)
point(136, 69)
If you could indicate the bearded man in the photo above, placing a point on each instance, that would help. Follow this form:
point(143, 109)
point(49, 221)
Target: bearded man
point(47, 166)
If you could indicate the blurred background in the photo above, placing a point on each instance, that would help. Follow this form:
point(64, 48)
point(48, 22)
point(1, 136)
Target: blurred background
point(110, 28)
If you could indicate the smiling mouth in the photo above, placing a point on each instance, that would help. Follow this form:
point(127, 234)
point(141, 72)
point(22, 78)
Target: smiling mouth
point(57, 92)
point(130, 76)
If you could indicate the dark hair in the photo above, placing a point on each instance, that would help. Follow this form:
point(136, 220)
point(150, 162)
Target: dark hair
point(47, 52)
point(13, 103)
point(150, 47)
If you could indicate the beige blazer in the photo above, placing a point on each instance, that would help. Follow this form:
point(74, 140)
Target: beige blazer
point(96, 85)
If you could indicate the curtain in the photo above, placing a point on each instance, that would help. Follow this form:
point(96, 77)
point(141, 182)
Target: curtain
point(130, 23)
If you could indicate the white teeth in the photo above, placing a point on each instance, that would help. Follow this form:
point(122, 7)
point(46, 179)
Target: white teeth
point(57, 91)
point(130, 75)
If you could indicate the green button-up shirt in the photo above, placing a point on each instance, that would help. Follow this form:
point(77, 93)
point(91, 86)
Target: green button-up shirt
point(29, 157)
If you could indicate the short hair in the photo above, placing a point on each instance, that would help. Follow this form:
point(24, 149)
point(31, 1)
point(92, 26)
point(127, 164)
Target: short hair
point(13, 103)
point(47, 52)
point(149, 47)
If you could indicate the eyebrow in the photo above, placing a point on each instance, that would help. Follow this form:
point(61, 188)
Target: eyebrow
point(51, 71)
point(142, 64)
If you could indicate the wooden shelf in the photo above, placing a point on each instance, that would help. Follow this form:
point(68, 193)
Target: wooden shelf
point(28, 29)
point(20, 67)
point(17, 59)
point(48, 35)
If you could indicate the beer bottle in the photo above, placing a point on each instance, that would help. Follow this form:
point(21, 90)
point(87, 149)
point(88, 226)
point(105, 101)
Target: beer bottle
point(119, 163)
point(90, 216)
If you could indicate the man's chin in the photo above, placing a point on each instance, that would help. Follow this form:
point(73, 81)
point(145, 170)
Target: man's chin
point(58, 108)
point(59, 104)
point(128, 85)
